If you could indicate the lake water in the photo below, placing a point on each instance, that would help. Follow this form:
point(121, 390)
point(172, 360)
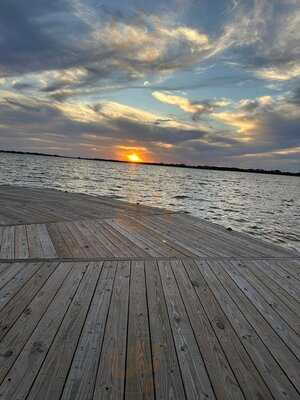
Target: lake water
point(266, 206)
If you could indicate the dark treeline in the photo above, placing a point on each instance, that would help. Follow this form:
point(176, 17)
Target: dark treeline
point(206, 167)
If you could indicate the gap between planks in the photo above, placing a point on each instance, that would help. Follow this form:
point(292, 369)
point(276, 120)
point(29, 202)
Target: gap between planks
point(129, 214)
point(162, 258)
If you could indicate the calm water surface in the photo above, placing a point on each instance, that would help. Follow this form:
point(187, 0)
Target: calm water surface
point(267, 206)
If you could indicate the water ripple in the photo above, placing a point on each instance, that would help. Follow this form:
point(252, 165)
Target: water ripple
point(265, 206)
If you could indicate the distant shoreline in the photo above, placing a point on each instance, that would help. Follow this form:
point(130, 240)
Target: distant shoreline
point(203, 167)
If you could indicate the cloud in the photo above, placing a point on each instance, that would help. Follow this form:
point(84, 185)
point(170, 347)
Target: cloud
point(263, 38)
point(283, 73)
point(69, 49)
point(116, 114)
point(262, 125)
point(64, 64)
point(192, 107)
point(42, 123)
point(265, 123)
point(74, 44)
point(295, 97)
point(263, 102)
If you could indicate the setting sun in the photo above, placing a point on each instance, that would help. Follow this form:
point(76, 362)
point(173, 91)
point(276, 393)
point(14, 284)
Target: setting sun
point(134, 158)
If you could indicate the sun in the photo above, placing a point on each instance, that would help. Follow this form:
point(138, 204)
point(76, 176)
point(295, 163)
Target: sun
point(135, 158)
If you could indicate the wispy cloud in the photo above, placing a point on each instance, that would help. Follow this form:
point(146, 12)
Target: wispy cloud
point(195, 108)
point(265, 39)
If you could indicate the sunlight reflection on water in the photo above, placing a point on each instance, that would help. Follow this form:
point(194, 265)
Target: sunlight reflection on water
point(266, 206)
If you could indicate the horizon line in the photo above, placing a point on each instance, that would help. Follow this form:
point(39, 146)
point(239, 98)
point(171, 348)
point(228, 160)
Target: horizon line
point(161, 164)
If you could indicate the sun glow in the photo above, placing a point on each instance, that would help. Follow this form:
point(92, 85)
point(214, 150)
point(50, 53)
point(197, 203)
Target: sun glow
point(135, 158)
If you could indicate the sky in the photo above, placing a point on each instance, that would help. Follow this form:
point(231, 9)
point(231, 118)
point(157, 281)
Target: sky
point(175, 81)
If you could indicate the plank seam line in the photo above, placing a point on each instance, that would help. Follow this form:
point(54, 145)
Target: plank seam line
point(260, 311)
point(164, 295)
point(124, 213)
point(81, 331)
point(235, 329)
point(32, 299)
point(252, 325)
point(83, 277)
point(150, 334)
point(192, 328)
point(87, 259)
point(35, 326)
point(104, 331)
point(185, 269)
point(271, 290)
point(22, 285)
point(127, 331)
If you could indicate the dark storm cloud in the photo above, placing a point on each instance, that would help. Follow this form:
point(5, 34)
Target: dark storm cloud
point(56, 35)
point(295, 97)
point(33, 38)
point(59, 34)
point(269, 125)
point(280, 130)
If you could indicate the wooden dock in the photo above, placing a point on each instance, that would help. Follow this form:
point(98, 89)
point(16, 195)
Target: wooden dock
point(101, 299)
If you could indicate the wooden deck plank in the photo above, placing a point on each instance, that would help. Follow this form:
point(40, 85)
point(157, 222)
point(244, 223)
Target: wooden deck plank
point(8, 273)
point(262, 274)
point(283, 278)
point(123, 242)
point(49, 382)
point(285, 312)
point(34, 244)
point(16, 337)
point(21, 243)
point(48, 249)
point(3, 268)
point(291, 266)
point(106, 239)
point(23, 205)
point(59, 241)
point(256, 328)
point(8, 243)
point(11, 311)
point(178, 248)
point(82, 241)
point(152, 246)
point(96, 240)
point(70, 236)
point(222, 378)
point(21, 376)
point(189, 245)
point(237, 244)
point(110, 382)
point(135, 239)
point(150, 237)
point(139, 372)
point(202, 244)
point(289, 336)
point(245, 370)
point(81, 379)
point(254, 246)
point(1, 234)
point(167, 374)
point(194, 373)
point(8, 291)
